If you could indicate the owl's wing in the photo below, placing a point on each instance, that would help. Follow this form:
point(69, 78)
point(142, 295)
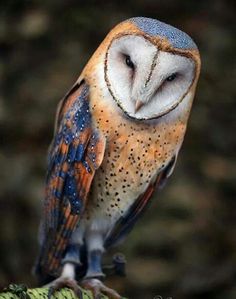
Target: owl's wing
point(125, 224)
point(76, 152)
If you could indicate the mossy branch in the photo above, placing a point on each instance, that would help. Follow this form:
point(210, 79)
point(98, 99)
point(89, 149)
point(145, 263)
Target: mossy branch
point(20, 291)
point(25, 293)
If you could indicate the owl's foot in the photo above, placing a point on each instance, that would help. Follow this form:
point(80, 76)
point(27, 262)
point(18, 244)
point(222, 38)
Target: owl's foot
point(98, 288)
point(64, 282)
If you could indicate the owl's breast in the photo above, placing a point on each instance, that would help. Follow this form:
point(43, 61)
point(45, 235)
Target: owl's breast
point(135, 153)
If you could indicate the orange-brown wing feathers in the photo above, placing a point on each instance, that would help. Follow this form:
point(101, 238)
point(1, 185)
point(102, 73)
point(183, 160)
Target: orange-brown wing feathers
point(75, 154)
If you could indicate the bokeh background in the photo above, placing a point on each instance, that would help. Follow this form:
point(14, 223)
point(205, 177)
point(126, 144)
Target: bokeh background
point(185, 245)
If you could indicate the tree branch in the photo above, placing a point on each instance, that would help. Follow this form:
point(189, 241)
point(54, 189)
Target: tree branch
point(24, 293)
point(20, 291)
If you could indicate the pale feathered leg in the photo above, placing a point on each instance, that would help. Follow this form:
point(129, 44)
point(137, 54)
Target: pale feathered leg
point(67, 277)
point(92, 282)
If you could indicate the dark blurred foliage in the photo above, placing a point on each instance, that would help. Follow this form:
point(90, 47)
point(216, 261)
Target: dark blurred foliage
point(185, 246)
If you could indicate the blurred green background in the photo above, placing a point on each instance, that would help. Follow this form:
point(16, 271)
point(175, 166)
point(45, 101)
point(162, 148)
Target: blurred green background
point(185, 245)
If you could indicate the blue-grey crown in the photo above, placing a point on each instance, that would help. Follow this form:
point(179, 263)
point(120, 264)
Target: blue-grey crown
point(177, 38)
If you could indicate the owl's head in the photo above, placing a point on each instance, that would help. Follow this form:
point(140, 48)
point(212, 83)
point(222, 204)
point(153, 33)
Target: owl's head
point(150, 67)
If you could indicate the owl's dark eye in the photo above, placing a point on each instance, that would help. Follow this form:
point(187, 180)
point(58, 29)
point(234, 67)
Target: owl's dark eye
point(172, 77)
point(129, 62)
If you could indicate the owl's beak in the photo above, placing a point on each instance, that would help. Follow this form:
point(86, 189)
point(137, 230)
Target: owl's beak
point(138, 105)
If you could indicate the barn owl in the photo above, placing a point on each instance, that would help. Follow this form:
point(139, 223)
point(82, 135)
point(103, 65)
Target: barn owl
point(117, 136)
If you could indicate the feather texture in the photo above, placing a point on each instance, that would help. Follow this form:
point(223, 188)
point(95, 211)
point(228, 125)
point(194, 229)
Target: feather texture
point(76, 152)
point(125, 224)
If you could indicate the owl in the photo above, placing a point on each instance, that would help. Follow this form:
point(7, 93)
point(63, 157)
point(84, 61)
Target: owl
point(117, 136)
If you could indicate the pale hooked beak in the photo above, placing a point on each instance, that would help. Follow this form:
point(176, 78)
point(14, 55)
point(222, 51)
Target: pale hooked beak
point(138, 105)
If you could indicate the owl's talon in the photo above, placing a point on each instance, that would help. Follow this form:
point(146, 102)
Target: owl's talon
point(98, 289)
point(51, 291)
point(63, 282)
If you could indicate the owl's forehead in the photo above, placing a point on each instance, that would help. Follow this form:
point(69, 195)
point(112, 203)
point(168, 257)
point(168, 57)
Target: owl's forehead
point(177, 38)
